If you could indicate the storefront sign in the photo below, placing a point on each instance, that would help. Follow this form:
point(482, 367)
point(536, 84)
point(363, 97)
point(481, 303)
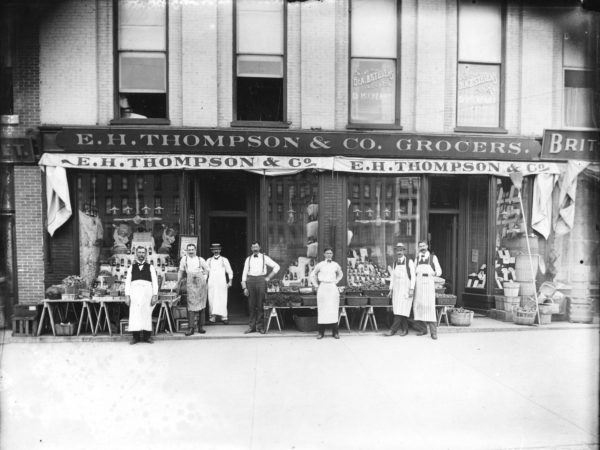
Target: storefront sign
point(571, 144)
point(294, 143)
point(275, 165)
point(16, 150)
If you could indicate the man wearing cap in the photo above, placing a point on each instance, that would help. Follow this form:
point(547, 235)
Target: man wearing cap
point(402, 285)
point(254, 283)
point(427, 267)
point(219, 280)
point(196, 272)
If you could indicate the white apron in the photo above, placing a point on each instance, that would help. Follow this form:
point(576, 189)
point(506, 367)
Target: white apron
point(140, 310)
point(401, 302)
point(424, 299)
point(217, 287)
point(328, 303)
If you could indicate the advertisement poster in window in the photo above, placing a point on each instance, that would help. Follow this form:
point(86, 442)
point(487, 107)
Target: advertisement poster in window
point(373, 86)
point(478, 95)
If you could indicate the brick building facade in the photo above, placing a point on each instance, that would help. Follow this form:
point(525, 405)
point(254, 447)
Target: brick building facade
point(66, 81)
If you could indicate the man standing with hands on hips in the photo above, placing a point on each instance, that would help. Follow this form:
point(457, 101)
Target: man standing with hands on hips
point(254, 283)
point(141, 292)
point(427, 267)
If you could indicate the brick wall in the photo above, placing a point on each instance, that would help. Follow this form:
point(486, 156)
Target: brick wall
point(69, 76)
point(29, 226)
point(26, 90)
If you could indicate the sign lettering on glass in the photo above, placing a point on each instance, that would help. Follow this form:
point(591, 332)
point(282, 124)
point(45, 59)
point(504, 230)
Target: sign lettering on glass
point(373, 91)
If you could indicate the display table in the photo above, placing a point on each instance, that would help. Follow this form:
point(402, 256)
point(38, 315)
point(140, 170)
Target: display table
point(165, 312)
point(442, 311)
point(104, 302)
point(51, 306)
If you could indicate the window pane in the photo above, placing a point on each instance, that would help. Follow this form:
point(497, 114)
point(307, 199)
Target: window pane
point(260, 66)
point(373, 91)
point(477, 235)
point(579, 107)
point(260, 27)
point(578, 41)
point(478, 95)
point(373, 25)
point(293, 230)
point(142, 25)
point(378, 222)
point(116, 223)
point(260, 99)
point(480, 31)
point(142, 72)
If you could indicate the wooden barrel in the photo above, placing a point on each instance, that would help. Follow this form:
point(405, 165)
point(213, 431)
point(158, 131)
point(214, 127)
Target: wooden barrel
point(523, 267)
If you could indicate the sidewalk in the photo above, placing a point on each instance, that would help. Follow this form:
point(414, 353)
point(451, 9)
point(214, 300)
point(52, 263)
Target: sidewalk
point(467, 390)
point(480, 324)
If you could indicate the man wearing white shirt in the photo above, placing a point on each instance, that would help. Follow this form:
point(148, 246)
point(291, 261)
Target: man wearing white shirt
point(426, 267)
point(254, 283)
point(141, 292)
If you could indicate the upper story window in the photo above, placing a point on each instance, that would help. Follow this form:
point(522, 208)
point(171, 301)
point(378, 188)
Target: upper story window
point(479, 89)
point(579, 54)
point(142, 59)
point(374, 47)
point(259, 83)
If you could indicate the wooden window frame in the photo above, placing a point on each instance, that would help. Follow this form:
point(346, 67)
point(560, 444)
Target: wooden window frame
point(501, 128)
point(284, 123)
point(376, 126)
point(118, 120)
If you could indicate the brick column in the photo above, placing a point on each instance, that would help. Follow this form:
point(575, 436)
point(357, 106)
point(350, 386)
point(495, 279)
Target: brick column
point(29, 224)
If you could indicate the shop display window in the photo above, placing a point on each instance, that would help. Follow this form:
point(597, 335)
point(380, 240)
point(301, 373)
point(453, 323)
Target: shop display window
point(112, 224)
point(385, 213)
point(477, 234)
point(510, 230)
point(293, 228)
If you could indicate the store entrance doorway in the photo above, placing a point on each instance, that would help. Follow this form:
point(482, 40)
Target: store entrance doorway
point(231, 233)
point(443, 241)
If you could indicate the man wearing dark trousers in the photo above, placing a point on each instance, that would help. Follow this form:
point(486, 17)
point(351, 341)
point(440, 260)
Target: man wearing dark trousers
point(254, 283)
point(141, 292)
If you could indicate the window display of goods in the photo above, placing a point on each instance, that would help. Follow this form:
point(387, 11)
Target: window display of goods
point(168, 285)
point(367, 276)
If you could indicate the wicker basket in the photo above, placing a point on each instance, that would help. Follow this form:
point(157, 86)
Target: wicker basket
point(511, 302)
point(511, 289)
point(461, 318)
point(64, 329)
point(445, 299)
point(524, 317)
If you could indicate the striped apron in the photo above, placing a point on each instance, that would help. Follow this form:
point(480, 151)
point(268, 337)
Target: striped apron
point(424, 298)
point(401, 302)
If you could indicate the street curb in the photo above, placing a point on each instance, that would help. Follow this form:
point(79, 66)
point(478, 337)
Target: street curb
point(47, 339)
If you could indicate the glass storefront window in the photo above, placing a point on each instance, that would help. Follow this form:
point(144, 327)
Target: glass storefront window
point(382, 211)
point(117, 212)
point(510, 230)
point(293, 227)
point(477, 233)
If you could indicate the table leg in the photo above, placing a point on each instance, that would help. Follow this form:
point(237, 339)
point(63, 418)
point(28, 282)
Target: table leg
point(169, 317)
point(362, 325)
point(39, 330)
point(51, 315)
point(160, 313)
point(269, 320)
point(344, 315)
point(373, 319)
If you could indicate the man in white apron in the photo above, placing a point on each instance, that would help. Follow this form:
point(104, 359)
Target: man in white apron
point(219, 281)
point(141, 292)
point(326, 275)
point(196, 272)
point(402, 284)
point(427, 267)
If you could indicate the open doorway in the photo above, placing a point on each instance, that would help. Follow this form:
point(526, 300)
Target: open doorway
point(231, 233)
point(443, 238)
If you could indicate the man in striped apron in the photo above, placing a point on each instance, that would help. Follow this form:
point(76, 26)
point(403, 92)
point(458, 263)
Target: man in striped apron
point(401, 290)
point(254, 283)
point(427, 267)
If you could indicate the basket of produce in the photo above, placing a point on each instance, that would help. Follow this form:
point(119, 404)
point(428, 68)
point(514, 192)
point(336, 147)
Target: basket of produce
point(277, 299)
point(439, 283)
point(461, 317)
point(511, 289)
point(551, 305)
point(445, 299)
point(294, 300)
point(524, 315)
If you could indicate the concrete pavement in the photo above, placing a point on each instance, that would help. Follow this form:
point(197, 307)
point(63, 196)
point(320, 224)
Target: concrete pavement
point(465, 391)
